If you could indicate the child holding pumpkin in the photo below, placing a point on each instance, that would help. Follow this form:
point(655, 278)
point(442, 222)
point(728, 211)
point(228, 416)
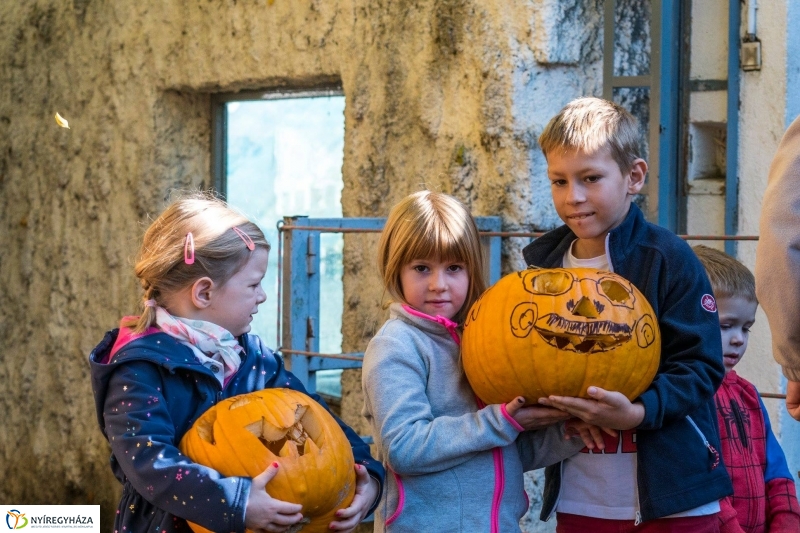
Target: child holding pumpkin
point(201, 265)
point(456, 465)
point(668, 476)
point(764, 496)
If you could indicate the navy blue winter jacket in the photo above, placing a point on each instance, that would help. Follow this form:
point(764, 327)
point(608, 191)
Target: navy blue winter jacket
point(678, 462)
point(147, 396)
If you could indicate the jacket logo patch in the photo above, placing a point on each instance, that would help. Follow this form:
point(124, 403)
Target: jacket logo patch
point(708, 303)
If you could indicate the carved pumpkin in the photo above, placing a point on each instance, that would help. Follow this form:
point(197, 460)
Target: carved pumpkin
point(541, 332)
point(243, 435)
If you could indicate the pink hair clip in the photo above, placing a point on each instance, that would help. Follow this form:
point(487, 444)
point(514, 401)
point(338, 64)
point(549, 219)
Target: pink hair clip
point(188, 249)
point(150, 303)
point(246, 238)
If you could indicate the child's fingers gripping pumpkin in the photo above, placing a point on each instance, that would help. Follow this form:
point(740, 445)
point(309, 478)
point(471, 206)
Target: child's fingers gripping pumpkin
point(533, 417)
point(591, 435)
point(264, 512)
point(366, 492)
point(607, 409)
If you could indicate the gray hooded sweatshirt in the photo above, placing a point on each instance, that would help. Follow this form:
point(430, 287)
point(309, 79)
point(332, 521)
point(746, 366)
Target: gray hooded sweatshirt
point(451, 466)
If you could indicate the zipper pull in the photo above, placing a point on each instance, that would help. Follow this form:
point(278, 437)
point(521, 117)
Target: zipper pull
point(638, 519)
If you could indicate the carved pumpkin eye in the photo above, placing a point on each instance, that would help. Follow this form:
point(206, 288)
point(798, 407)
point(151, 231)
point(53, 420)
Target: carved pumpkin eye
point(615, 291)
point(553, 283)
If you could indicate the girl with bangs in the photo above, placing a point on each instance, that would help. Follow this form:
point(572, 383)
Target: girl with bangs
point(456, 464)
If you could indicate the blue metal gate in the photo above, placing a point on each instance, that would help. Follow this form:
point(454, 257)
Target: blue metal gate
point(300, 288)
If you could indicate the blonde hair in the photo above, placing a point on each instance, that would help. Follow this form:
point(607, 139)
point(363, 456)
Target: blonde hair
point(593, 124)
point(431, 225)
point(729, 278)
point(219, 250)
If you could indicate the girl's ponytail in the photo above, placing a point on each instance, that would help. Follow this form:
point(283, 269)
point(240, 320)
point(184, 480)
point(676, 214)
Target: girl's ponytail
point(196, 236)
point(148, 316)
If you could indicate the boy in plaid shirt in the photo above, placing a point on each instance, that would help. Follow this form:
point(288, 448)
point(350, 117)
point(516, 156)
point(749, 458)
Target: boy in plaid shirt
point(764, 497)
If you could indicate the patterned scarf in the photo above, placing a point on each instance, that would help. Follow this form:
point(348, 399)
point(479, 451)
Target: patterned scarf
point(214, 346)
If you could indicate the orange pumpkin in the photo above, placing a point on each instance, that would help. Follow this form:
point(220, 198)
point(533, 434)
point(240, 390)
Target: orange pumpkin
point(541, 332)
point(243, 435)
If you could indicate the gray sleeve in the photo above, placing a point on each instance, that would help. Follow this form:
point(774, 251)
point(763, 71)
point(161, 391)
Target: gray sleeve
point(543, 447)
point(411, 440)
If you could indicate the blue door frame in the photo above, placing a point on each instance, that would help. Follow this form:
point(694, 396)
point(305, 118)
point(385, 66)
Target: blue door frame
point(300, 288)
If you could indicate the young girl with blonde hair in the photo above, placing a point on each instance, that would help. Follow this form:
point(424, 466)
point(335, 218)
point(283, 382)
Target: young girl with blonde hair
point(201, 265)
point(456, 465)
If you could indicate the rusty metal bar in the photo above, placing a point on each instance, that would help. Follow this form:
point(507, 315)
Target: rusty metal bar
point(359, 356)
point(354, 356)
point(772, 395)
point(287, 227)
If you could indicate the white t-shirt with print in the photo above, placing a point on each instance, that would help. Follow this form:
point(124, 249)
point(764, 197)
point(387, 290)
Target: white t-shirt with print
point(602, 484)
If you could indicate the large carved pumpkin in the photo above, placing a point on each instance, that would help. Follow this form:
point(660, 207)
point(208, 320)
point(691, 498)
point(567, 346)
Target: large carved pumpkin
point(541, 332)
point(243, 435)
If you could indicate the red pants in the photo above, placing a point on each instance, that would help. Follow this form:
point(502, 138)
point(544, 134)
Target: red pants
point(571, 523)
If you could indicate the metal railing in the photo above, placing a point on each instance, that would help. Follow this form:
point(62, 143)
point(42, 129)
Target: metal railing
point(299, 285)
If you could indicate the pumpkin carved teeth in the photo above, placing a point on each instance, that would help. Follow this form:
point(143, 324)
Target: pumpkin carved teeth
point(582, 336)
point(282, 442)
point(580, 345)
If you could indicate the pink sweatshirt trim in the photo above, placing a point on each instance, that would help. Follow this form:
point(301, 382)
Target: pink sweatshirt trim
point(499, 476)
point(452, 327)
point(510, 418)
point(401, 498)
point(499, 486)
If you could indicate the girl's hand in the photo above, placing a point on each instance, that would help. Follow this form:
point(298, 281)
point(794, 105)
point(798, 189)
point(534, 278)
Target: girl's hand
point(534, 416)
point(608, 409)
point(366, 491)
point(265, 513)
point(591, 435)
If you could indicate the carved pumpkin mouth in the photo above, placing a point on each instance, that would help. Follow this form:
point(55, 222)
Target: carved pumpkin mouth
point(283, 434)
point(582, 336)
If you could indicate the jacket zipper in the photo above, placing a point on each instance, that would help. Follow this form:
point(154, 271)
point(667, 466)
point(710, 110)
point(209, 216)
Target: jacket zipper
point(707, 444)
point(638, 515)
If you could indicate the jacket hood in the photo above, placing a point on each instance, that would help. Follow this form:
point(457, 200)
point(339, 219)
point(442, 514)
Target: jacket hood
point(158, 348)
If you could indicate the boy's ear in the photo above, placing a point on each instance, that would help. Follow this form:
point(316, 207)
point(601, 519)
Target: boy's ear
point(637, 174)
point(201, 292)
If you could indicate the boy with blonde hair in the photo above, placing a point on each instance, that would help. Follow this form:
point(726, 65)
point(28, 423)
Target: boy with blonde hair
point(764, 496)
point(662, 472)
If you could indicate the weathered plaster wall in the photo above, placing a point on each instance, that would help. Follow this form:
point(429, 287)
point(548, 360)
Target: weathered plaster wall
point(450, 94)
point(761, 126)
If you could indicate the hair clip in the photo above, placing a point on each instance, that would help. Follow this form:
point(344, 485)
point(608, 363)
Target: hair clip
point(150, 303)
point(246, 238)
point(188, 249)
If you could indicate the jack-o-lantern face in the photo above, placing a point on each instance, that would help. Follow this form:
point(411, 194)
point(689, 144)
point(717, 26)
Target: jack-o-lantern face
point(557, 331)
point(243, 435)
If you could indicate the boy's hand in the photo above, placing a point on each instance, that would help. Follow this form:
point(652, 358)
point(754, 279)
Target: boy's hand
point(533, 416)
point(793, 399)
point(591, 435)
point(366, 492)
point(607, 409)
point(265, 513)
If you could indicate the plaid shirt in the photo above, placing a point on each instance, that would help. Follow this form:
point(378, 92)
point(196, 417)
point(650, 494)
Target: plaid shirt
point(764, 497)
